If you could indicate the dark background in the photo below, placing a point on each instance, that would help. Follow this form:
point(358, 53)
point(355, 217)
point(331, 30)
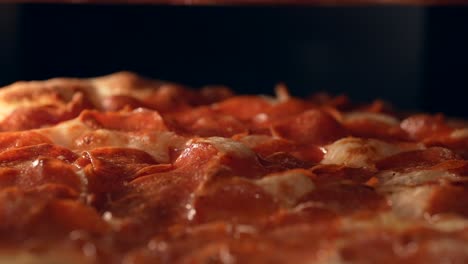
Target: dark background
point(413, 56)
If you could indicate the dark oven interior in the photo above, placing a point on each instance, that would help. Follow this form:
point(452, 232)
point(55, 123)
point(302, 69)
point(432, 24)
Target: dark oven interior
point(415, 57)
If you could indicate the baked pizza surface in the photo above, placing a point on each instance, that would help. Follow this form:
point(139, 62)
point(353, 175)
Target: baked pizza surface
point(122, 169)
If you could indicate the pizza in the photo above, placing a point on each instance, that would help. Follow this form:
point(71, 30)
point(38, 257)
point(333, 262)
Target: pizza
point(124, 169)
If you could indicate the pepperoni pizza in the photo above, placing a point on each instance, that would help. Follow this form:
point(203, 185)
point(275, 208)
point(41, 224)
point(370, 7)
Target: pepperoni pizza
point(123, 169)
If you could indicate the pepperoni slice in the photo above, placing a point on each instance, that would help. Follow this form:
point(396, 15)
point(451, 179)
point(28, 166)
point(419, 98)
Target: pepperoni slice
point(226, 156)
point(234, 200)
point(281, 161)
point(347, 198)
point(280, 111)
point(21, 139)
point(18, 156)
point(371, 129)
point(48, 170)
point(137, 120)
point(8, 177)
point(73, 215)
point(108, 168)
point(205, 122)
point(155, 201)
point(265, 145)
point(448, 199)
point(243, 108)
point(417, 159)
point(308, 127)
point(170, 98)
point(37, 165)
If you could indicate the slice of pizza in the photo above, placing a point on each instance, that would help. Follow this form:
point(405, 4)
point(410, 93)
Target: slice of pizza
point(123, 169)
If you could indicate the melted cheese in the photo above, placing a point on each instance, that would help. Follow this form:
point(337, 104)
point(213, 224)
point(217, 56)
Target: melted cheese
point(382, 221)
point(228, 146)
point(122, 83)
point(75, 135)
point(413, 178)
point(358, 153)
point(411, 202)
point(286, 187)
point(449, 223)
point(157, 144)
point(65, 133)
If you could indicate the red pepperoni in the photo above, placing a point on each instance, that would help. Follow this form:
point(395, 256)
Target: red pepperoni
point(266, 145)
point(138, 120)
point(19, 210)
point(370, 129)
point(170, 98)
point(228, 163)
point(195, 155)
point(156, 201)
point(309, 127)
point(8, 177)
point(310, 153)
point(47, 170)
point(223, 126)
point(109, 169)
point(347, 198)
point(168, 197)
point(205, 122)
point(234, 200)
point(72, 215)
point(417, 159)
point(282, 110)
point(448, 199)
point(21, 139)
point(37, 165)
point(19, 156)
point(243, 108)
